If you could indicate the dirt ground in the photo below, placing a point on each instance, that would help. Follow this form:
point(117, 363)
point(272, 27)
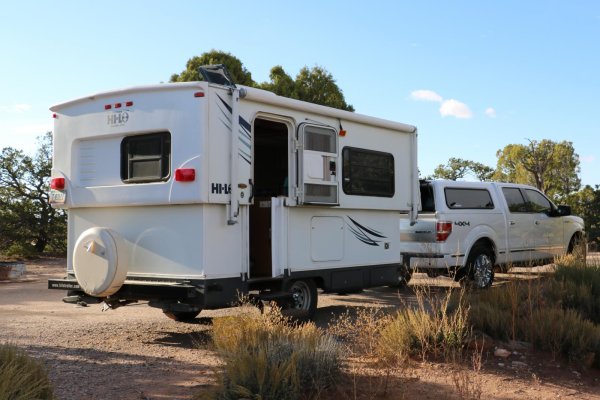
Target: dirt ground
point(136, 353)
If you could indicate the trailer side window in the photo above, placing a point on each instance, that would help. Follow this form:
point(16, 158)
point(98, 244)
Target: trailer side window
point(367, 172)
point(146, 158)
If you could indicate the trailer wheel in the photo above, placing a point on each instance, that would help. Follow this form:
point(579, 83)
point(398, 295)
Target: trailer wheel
point(480, 267)
point(304, 295)
point(181, 316)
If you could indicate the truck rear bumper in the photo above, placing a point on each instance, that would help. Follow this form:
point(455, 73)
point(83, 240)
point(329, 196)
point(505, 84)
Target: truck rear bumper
point(418, 261)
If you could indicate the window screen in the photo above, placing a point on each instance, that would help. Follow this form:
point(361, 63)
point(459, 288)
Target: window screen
point(146, 158)
point(367, 172)
point(468, 198)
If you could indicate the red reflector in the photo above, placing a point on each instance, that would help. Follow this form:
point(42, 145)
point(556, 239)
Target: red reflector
point(185, 174)
point(57, 183)
point(129, 104)
point(54, 115)
point(443, 229)
point(199, 94)
point(107, 107)
point(118, 105)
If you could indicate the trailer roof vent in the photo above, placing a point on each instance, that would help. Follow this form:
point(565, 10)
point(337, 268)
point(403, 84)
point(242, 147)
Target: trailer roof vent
point(217, 74)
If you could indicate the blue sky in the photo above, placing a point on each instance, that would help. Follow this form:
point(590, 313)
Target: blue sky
point(473, 76)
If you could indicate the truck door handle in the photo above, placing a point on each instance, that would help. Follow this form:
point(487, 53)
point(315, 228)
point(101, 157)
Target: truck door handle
point(512, 223)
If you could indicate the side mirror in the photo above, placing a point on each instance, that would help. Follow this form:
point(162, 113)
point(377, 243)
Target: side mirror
point(563, 211)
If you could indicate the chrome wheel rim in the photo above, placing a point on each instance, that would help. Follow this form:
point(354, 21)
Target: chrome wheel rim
point(482, 271)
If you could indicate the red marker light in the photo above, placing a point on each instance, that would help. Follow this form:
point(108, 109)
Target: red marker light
point(199, 94)
point(185, 174)
point(118, 105)
point(129, 104)
point(54, 116)
point(57, 183)
point(107, 107)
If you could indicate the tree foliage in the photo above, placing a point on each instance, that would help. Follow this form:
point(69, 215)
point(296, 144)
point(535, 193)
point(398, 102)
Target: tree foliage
point(457, 168)
point(238, 72)
point(28, 224)
point(586, 204)
point(314, 85)
point(552, 167)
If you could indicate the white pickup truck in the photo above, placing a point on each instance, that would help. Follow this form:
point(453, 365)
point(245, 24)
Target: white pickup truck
point(468, 229)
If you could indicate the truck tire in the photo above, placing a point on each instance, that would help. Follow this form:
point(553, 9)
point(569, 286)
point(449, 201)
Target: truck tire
point(480, 267)
point(578, 248)
point(304, 294)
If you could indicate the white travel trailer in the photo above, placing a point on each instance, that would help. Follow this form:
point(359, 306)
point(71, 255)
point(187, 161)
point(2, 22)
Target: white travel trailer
point(189, 194)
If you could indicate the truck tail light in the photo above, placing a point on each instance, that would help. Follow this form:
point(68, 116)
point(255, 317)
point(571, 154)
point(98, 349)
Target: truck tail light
point(57, 183)
point(443, 229)
point(185, 174)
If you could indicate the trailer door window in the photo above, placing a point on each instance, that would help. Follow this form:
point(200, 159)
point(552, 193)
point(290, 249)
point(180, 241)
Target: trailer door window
point(367, 172)
point(146, 158)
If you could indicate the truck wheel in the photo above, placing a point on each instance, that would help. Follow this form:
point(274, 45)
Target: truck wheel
point(181, 316)
point(304, 295)
point(480, 267)
point(578, 248)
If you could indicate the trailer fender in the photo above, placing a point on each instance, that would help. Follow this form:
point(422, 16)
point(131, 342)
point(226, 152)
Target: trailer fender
point(100, 261)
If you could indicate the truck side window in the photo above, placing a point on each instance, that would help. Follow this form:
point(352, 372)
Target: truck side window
point(146, 158)
point(538, 203)
point(514, 199)
point(464, 198)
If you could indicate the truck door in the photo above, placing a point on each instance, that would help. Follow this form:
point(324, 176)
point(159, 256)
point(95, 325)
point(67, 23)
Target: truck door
point(520, 232)
point(548, 230)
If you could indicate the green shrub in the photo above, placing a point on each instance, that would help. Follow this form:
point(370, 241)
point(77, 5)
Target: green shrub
point(22, 377)
point(577, 287)
point(268, 357)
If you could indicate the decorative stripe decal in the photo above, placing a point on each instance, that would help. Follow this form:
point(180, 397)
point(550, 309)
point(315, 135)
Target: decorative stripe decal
point(365, 234)
point(244, 135)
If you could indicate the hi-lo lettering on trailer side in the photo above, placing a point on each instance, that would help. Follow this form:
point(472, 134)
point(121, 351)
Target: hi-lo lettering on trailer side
point(188, 195)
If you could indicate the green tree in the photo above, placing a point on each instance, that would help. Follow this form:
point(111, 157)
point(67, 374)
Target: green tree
point(552, 167)
point(586, 204)
point(238, 72)
point(457, 168)
point(27, 221)
point(314, 85)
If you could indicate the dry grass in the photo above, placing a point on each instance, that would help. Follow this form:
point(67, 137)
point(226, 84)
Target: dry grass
point(22, 377)
point(268, 357)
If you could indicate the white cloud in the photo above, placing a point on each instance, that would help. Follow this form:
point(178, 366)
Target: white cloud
point(454, 108)
point(426, 95)
point(490, 112)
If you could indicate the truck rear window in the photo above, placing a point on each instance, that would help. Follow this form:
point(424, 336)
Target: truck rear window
point(464, 198)
point(146, 158)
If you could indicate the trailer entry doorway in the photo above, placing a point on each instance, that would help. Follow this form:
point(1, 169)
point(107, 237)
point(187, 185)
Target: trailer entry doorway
point(271, 141)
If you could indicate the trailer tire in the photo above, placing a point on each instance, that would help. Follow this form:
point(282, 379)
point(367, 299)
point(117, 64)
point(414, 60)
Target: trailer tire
point(479, 268)
point(181, 316)
point(305, 297)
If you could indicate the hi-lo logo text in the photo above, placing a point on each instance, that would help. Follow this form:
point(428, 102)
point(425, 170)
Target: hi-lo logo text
point(118, 118)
